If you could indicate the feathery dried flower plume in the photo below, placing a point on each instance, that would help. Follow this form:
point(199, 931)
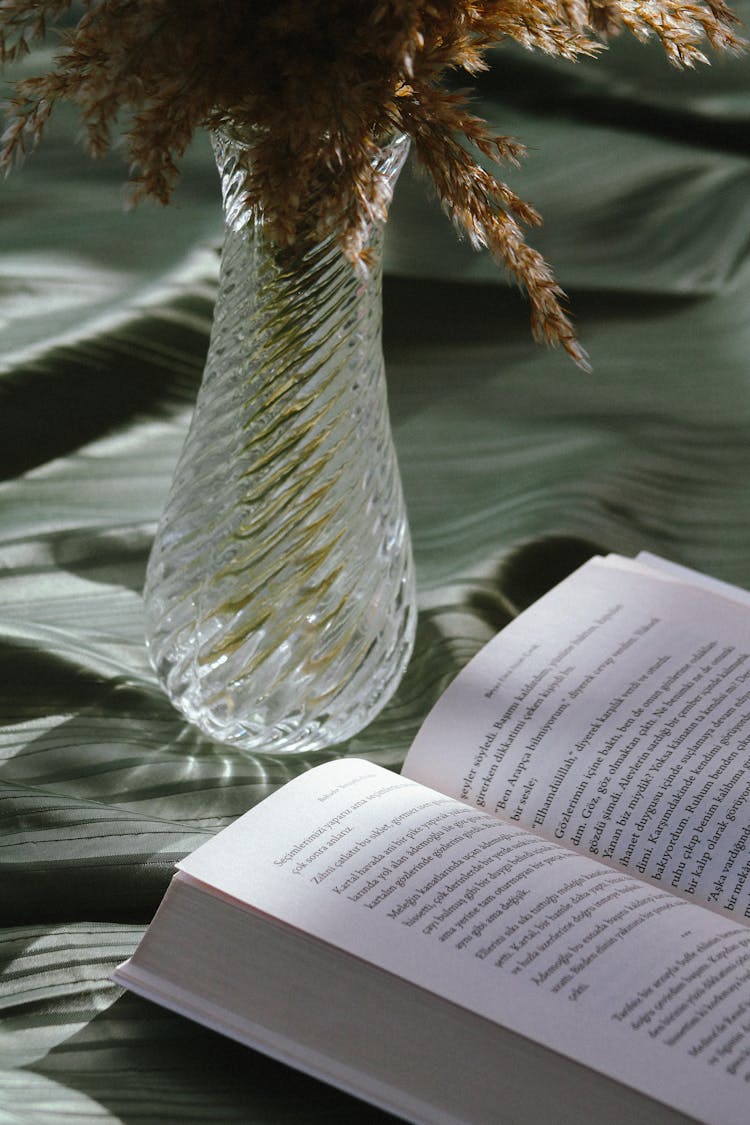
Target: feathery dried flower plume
point(319, 81)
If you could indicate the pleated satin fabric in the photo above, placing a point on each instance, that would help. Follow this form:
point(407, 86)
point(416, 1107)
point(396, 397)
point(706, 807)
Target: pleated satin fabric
point(516, 467)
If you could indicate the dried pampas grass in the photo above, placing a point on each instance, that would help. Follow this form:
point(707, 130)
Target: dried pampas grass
point(320, 81)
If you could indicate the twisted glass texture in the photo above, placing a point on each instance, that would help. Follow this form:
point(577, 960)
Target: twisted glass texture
point(280, 593)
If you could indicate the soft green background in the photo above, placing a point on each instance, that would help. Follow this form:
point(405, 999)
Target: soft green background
point(515, 467)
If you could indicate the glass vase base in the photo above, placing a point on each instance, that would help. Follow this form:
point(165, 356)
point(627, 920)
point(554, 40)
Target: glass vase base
point(292, 735)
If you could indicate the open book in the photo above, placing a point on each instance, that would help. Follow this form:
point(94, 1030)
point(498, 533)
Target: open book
point(545, 917)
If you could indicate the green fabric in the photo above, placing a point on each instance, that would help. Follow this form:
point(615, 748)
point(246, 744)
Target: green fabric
point(516, 466)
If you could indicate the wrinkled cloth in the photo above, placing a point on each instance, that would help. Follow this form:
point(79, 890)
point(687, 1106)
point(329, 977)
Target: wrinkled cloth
point(516, 466)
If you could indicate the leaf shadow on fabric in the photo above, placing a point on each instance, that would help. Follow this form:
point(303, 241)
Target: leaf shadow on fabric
point(110, 734)
point(468, 348)
point(547, 87)
point(532, 569)
point(103, 789)
point(78, 392)
point(422, 313)
point(63, 858)
point(110, 557)
point(142, 1064)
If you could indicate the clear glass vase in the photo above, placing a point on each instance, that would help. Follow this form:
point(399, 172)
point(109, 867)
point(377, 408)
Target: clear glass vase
point(280, 607)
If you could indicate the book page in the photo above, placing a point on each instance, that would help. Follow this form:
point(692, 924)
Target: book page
point(612, 716)
point(630, 981)
point(692, 577)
